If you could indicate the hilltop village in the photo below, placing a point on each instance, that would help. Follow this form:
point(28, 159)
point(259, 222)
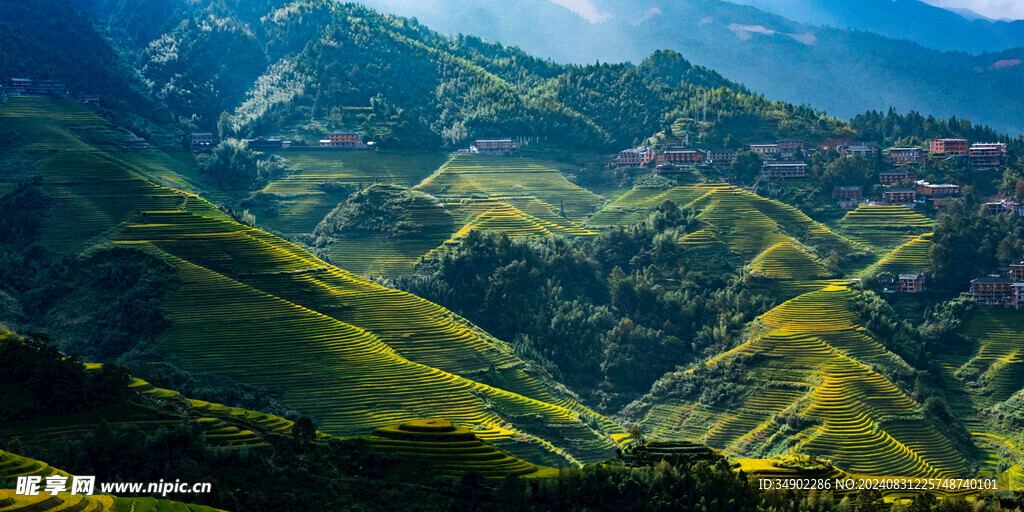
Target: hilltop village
point(787, 159)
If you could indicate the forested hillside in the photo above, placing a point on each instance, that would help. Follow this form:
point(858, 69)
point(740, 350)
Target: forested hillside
point(842, 70)
point(302, 68)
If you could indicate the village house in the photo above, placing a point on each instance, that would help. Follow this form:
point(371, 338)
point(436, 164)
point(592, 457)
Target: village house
point(683, 157)
point(896, 176)
point(498, 147)
point(1005, 206)
point(987, 156)
point(848, 196)
point(948, 147)
point(1004, 287)
point(93, 100)
point(343, 139)
point(721, 157)
point(1017, 270)
point(783, 169)
point(33, 87)
point(862, 150)
point(910, 283)
point(997, 289)
point(201, 141)
point(936, 189)
point(899, 196)
point(788, 147)
point(937, 194)
point(906, 156)
point(765, 150)
point(634, 157)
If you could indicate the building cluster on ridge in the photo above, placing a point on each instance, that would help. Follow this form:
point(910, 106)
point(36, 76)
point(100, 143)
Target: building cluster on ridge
point(337, 139)
point(782, 160)
point(44, 87)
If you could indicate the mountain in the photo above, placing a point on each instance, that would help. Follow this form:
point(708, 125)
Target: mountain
point(840, 70)
point(932, 27)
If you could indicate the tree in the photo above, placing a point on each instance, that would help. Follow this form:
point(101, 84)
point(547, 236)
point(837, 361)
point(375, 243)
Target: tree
point(746, 165)
point(304, 430)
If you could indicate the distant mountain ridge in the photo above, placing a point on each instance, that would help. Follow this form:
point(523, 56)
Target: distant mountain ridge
point(930, 26)
point(845, 72)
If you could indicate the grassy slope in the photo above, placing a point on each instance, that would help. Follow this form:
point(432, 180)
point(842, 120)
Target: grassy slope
point(355, 355)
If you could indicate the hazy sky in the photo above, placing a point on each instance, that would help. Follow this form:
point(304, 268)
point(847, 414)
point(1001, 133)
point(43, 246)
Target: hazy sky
point(584, 8)
point(996, 9)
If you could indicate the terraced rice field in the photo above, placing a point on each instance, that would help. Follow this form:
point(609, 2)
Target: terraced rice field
point(13, 466)
point(310, 167)
point(746, 223)
point(884, 226)
point(450, 450)
point(92, 191)
point(1000, 357)
point(355, 355)
point(472, 176)
point(911, 257)
point(329, 344)
point(635, 205)
point(515, 196)
point(814, 359)
point(786, 260)
point(66, 502)
point(302, 203)
point(379, 254)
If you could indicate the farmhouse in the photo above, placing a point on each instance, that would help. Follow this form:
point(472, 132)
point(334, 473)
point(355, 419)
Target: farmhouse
point(30, 86)
point(910, 283)
point(783, 169)
point(949, 147)
point(860, 150)
point(1004, 287)
point(905, 156)
point(936, 189)
point(765, 149)
point(899, 196)
point(634, 157)
point(346, 139)
point(996, 289)
point(495, 146)
point(987, 156)
point(201, 141)
point(721, 157)
point(1005, 206)
point(847, 196)
point(788, 147)
point(93, 100)
point(684, 157)
point(896, 176)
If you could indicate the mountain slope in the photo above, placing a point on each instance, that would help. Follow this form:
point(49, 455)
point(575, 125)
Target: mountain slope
point(256, 308)
point(843, 71)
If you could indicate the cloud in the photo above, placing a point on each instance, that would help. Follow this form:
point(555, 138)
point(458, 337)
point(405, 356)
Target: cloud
point(996, 9)
point(586, 9)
